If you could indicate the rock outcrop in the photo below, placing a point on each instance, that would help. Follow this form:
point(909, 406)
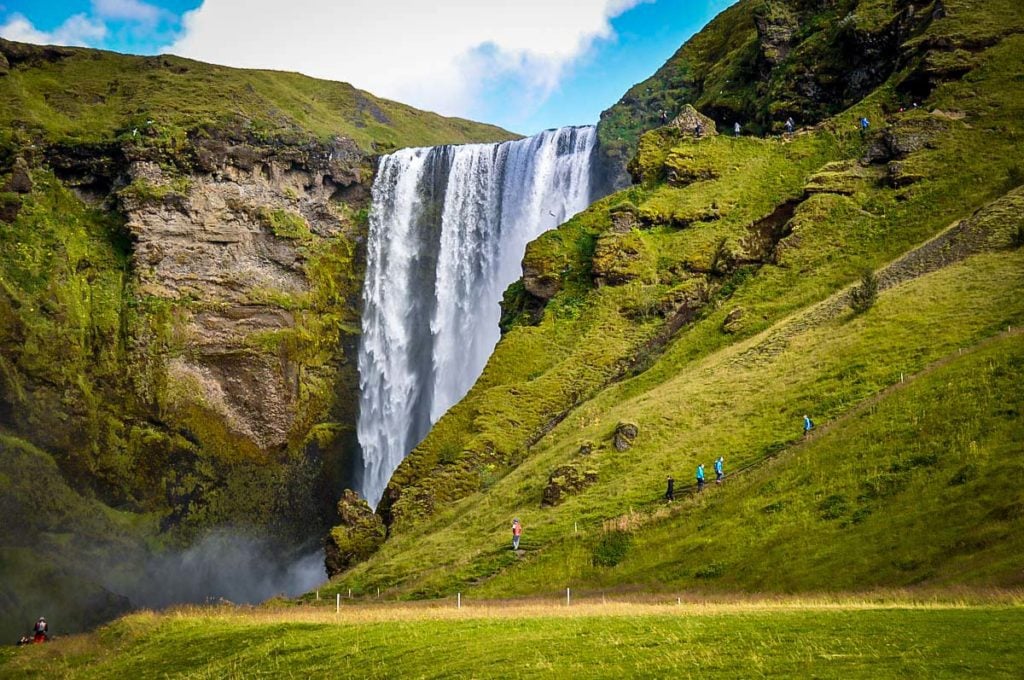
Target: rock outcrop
point(356, 537)
point(625, 434)
point(566, 481)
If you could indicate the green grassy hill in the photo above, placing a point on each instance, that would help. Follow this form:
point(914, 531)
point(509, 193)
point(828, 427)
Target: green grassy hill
point(84, 96)
point(707, 308)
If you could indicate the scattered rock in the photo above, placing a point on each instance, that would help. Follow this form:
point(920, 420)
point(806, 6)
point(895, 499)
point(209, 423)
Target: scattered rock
point(20, 181)
point(625, 434)
point(586, 448)
point(358, 536)
point(733, 320)
point(565, 481)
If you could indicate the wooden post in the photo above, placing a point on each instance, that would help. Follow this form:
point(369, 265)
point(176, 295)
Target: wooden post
point(337, 604)
point(568, 600)
point(458, 601)
point(318, 595)
point(378, 592)
point(350, 593)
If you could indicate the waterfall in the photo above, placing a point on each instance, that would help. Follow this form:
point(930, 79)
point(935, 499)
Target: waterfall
point(448, 229)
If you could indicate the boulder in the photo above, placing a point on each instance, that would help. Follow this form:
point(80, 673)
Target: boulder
point(688, 118)
point(565, 481)
point(20, 181)
point(625, 434)
point(358, 536)
point(733, 320)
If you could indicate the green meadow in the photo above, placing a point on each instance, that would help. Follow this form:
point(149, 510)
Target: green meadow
point(837, 639)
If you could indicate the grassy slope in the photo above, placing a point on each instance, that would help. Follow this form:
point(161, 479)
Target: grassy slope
point(605, 642)
point(701, 396)
point(92, 96)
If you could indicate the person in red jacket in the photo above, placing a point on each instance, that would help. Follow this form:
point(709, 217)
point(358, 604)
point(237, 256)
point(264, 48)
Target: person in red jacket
point(41, 631)
point(517, 531)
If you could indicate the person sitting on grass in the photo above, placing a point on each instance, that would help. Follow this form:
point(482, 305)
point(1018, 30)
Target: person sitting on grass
point(700, 477)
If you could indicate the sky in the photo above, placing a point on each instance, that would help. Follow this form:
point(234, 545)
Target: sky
point(526, 65)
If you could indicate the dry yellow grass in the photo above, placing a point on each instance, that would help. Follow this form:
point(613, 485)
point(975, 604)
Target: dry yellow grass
point(595, 605)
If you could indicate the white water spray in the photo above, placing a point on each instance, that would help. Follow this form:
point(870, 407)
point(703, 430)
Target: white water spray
point(448, 229)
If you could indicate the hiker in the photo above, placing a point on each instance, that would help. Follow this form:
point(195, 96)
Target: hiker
point(664, 116)
point(700, 477)
point(736, 128)
point(41, 631)
point(517, 531)
point(698, 130)
point(808, 425)
point(864, 125)
point(719, 474)
point(670, 493)
point(790, 125)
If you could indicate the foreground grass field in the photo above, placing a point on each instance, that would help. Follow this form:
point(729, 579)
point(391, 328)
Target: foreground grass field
point(868, 637)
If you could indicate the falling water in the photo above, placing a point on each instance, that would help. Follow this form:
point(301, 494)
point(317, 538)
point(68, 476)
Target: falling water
point(448, 229)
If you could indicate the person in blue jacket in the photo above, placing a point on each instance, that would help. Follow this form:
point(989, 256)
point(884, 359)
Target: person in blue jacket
point(808, 425)
point(700, 477)
point(719, 473)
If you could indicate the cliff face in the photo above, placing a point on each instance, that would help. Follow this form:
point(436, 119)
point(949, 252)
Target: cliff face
point(180, 279)
point(762, 61)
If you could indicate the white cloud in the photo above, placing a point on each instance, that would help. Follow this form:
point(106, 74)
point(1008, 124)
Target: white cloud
point(128, 10)
point(434, 55)
point(77, 30)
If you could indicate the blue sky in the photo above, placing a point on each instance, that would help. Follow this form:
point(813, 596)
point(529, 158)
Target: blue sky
point(525, 65)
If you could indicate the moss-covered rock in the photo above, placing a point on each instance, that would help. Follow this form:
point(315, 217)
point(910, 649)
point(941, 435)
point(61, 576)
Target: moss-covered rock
point(357, 536)
point(624, 436)
point(620, 258)
point(565, 481)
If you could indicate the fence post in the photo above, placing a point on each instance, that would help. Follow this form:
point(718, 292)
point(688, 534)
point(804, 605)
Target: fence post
point(337, 604)
point(318, 595)
point(568, 600)
point(350, 593)
point(458, 601)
